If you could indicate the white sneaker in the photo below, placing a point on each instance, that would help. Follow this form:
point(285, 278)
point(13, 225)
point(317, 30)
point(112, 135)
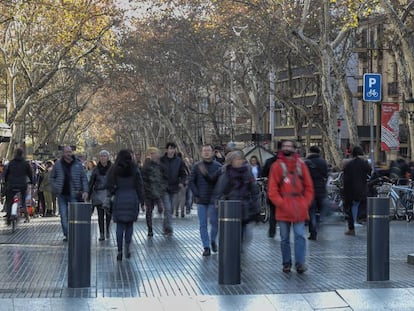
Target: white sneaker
point(357, 225)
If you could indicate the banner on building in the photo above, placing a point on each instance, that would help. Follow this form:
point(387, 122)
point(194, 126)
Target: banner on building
point(390, 127)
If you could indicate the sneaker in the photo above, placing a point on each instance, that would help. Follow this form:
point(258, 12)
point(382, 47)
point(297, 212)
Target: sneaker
point(206, 251)
point(65, 239)
point(150, 233)
point(357, 225)
point(271, 233)
point(101, 238)
point(350, 232)
point(214, 247)
point(312, 237)
point(287, 267)
point(300, 268)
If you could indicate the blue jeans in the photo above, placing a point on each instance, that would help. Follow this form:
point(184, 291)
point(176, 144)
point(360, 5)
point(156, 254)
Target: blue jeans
point(204, 213)
point(300, 242)
point(124, 228)
point(63, 203)
point(355, 207)
point(169, 200)
point(188, 200)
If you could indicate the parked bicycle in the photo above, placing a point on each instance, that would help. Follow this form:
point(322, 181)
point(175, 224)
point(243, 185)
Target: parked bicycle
point(335, 195)
point(402, 199)
point(264, 201)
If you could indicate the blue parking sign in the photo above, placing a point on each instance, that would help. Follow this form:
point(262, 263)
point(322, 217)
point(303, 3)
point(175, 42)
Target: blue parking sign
point(372, 87)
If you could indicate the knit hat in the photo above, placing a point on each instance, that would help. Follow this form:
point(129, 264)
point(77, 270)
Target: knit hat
point(104, 152)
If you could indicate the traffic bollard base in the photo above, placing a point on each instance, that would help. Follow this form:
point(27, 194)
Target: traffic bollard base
point(410, 259)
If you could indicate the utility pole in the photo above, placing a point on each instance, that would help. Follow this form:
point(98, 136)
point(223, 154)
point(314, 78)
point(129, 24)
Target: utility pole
point(272, 107)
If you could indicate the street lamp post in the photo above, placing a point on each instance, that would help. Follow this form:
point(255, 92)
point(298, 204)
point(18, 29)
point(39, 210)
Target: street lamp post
point(272, 106)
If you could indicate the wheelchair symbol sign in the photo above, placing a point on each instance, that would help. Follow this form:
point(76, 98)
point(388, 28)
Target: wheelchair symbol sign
point(372, 87)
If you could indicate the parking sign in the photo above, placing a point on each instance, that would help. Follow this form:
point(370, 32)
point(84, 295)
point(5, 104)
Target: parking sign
point(372, 87)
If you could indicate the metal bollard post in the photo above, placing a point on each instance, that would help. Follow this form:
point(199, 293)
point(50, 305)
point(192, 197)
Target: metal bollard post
point(79, 254)
point(378, 239)
point(229, 242)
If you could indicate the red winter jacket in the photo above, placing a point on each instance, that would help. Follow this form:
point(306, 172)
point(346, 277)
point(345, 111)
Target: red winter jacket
point(292, 195)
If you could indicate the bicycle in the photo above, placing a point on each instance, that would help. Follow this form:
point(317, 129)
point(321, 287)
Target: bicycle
point(264, 201)
point(402, 199)
point(402, 202)
point(335, 195)
point(372, 93)
point(15, 210)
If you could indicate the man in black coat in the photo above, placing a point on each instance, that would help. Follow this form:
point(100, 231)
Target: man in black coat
point(176, 180)
point(356, 174)
point(265, 173)
point(318, 169)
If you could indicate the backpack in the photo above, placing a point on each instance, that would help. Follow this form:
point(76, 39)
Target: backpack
point(285, 170)
point(298, 168)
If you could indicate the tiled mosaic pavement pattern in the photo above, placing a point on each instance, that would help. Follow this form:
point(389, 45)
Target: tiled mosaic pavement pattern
point(34, 263)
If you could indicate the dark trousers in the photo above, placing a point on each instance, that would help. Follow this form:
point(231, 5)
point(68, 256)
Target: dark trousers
point(272, 218)
point(149, 207)
point(124, 231)
point(104, 219)
point(41, 205)
point(317, 212)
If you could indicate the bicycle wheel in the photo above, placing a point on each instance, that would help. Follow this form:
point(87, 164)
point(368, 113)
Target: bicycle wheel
point(264, 208)
point(399, 209)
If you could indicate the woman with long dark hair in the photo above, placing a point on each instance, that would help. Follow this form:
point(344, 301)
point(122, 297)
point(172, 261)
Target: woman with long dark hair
point(125, 187)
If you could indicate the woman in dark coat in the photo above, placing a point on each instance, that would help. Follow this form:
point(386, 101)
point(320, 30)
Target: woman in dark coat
point(125, 186)
point(237, 182)
point(98, 193)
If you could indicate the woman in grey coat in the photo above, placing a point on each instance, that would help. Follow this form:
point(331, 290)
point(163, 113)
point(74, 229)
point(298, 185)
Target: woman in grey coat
point(125, 187)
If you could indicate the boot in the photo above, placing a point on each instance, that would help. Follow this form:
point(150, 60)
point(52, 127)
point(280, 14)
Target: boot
point(119, 256)
point(127, 251)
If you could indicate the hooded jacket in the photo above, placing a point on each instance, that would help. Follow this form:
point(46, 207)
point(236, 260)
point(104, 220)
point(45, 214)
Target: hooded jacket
point(292, 194)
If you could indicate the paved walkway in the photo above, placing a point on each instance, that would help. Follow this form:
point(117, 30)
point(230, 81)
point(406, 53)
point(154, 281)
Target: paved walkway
point(169, 272)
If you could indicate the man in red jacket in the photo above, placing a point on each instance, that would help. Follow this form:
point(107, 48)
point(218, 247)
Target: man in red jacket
point(291, 191)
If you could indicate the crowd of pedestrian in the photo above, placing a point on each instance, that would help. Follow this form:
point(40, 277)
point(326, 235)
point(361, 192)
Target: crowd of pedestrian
point(170, 185)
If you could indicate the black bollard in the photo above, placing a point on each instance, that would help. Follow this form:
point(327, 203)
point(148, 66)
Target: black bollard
point(230, 242)
point(79, 254)
point(378, 239)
